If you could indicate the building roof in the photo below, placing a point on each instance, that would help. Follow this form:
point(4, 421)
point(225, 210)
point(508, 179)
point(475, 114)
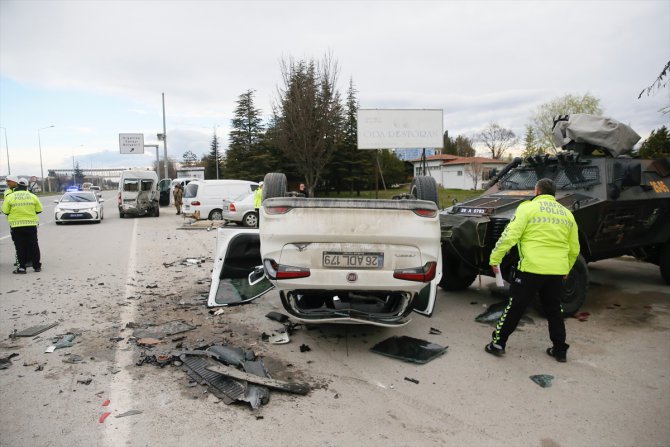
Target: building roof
point(443, 157)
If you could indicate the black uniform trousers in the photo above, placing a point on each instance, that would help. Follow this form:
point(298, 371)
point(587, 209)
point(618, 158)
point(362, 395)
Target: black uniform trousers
point(524, 288)
point(27, 248)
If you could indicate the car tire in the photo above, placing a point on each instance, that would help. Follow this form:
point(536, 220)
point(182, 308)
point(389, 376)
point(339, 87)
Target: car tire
point(215, 214)
point(454, 279)
point(157, 211)
point(664, 262)
point(121, 214)
point(250, 220)
point(424, 187)
point(274, 185)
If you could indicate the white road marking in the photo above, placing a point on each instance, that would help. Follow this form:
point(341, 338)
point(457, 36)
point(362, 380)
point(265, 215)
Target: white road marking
point(117, 431)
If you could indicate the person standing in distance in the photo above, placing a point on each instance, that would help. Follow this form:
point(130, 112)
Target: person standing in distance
point(303, 190)
point(22, 208)
point(258, 201)
point(177, 194)
point(546, 236)
point(12, 181)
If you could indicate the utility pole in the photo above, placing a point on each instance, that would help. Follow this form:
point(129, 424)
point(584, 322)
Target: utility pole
point(164, 139)
point(9, 171)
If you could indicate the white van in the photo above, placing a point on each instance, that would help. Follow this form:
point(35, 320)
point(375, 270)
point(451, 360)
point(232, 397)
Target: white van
point(203, 199)
point(138, 194)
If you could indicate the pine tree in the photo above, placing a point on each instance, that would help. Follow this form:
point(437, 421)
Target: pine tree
point(212, 171)
point(657, 145)
point(245, 155)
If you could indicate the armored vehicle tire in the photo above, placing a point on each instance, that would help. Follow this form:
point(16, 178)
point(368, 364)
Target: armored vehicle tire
point(575, 288)
point(424, 187)
point(215, 214)
point(274, 185)
point(664, 262)
point(453, 279)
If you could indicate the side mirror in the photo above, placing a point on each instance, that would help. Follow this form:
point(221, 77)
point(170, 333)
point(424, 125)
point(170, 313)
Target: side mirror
point(101, 200)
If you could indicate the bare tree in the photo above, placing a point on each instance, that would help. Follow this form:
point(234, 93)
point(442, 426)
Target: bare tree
point(542, 121)
point(474, 170)
point(497, 139)
point(307, 116)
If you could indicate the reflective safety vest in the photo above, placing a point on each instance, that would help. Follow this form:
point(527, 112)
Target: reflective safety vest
point(258, 197)
point(546, 236)
point(21, 208)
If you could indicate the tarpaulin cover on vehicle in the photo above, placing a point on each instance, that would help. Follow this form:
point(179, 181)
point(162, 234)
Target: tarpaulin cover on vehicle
point(601, 131)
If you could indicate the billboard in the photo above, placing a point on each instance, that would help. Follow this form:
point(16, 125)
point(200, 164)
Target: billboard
point(400, 128)
point(131, 143)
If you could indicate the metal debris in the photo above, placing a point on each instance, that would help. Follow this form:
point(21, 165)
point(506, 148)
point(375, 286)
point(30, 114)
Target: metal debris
point(409, 379)
point(6, 362)
point(305, 348)
point(434, 331)
point(65, 342)
point(34, 330)
point(128, 413)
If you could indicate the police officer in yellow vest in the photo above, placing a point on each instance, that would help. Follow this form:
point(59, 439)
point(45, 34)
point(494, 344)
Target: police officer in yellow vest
point(22, 208)
point(258, 201)
point(546, 237)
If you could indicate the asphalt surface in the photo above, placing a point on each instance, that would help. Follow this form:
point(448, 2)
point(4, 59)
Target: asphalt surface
point(100, 281)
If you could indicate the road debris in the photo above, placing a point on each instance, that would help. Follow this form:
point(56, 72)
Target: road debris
point(409, 379)
point(409, 349)
point(280, 338)
point(289, 387)
point(128, 413)
point(86, 381)
point(160, 331)
point(104, 416)
point(6, 362)
point(35, 330)
point(434, 331)
point(65, 342)
point(582, 316)
point(73, 358)
point(544, 380)
point(305, 348)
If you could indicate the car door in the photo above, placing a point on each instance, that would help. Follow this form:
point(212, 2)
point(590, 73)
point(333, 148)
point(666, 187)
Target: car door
point(425, 302)
point(164, 188)
point(237, 276)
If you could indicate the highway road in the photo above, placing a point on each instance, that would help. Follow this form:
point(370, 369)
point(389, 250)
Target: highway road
point(101, 281)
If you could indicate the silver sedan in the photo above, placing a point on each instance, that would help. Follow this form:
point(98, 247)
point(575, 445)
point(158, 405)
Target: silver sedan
point(81, 206)
point(241, 210)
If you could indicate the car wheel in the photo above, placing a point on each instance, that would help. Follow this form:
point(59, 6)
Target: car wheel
point(454, 277)
point(274, 185)
point(215, 214)
point(250, 220)
point(424, 187)
point(664, 262)
point(157, 211)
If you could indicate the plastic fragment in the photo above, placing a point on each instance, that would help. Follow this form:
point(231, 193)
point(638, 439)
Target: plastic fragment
point(104, 416)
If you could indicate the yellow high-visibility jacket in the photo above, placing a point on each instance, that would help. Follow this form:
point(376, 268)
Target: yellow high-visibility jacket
point(258, 197)
point(546, 236)
point(21, 208)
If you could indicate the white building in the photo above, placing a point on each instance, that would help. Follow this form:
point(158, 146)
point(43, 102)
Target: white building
point(454, 172)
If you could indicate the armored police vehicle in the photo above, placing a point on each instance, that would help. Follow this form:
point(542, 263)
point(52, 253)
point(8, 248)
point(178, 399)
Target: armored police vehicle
point(621, 205)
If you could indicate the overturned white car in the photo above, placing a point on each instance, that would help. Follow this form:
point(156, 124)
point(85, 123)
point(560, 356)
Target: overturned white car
point(336, 260)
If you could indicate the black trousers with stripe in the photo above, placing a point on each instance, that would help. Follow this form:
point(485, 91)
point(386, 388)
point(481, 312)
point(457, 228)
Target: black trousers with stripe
point(525, 287)
point(27, 248)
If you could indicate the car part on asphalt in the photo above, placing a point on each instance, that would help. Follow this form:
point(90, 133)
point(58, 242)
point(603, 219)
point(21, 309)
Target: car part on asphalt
point(544, 380)
point(289, 387)
point(35, 330)
point(66, 341)
point(409, 349)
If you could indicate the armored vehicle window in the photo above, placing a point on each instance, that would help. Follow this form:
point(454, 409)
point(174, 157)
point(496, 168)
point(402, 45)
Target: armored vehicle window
point(565, 177)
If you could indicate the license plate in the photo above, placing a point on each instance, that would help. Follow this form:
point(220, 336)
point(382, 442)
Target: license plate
point(76, 215)
point(353, 260)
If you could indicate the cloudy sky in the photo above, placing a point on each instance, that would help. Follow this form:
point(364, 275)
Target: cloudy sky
point(97, 68)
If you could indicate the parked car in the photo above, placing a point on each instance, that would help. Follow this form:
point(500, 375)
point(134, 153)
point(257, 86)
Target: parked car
point(79, 206)
point(202, 198)
point(96, 190)
point(241, 210)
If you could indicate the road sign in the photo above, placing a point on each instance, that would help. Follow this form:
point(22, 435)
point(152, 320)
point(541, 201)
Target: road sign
point(131, 143)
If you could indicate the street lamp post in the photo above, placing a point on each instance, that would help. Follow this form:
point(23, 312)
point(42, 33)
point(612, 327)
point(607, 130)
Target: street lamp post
point(39, 142)
point(9, 171)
